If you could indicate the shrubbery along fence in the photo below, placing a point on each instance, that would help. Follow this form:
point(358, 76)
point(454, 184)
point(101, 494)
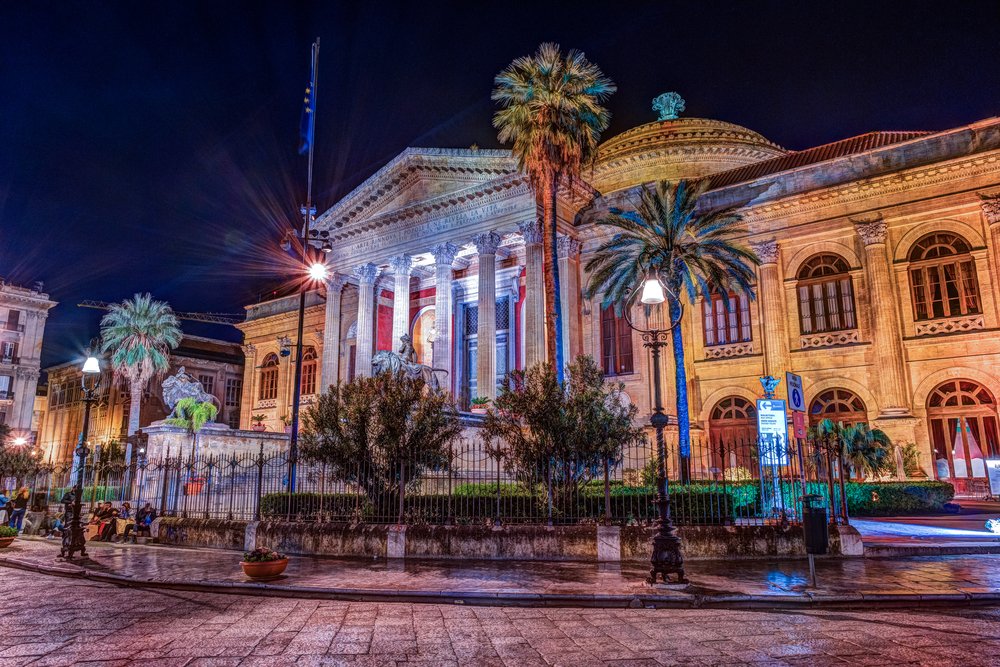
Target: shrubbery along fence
point(728, 485)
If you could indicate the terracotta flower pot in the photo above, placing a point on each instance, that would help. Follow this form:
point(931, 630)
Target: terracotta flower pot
point(258, 427)
point(6, 541)
point(265, 570)
point(479, 410)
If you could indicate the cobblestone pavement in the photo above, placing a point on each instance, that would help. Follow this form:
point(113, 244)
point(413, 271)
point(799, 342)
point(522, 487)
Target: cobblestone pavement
point(58, 621)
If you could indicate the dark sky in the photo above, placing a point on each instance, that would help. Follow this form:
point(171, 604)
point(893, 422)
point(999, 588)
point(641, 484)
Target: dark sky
point(152, 145)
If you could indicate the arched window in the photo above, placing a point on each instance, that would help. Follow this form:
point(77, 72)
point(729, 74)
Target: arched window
point(732, 428)
point(962, 417)
point(726, 319)
point(269, 378)
point(838, 405)
point(310, 366)
point(826, 296)
point(943, 278)
point(616, 343)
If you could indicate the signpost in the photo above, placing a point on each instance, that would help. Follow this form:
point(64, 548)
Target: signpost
point(797, 403)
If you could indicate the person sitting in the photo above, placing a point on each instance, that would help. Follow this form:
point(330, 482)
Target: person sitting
point(103, 516)
point(143, 519)
point(52, 524)
point(121, 521)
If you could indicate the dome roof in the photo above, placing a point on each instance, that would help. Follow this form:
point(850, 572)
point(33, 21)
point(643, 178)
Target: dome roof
point(676, 149)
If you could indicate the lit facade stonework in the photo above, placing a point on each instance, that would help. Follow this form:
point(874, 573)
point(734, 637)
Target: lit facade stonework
point(23, 312)
point(880, 260)
point(217, 364)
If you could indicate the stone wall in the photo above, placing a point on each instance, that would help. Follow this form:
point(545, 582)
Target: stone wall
point(214, 439)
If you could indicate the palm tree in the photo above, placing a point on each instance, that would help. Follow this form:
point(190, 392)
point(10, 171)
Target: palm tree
point(139, 333)
point(550, 108)
point(867, 450)
point(192, 416)
point(690, 252)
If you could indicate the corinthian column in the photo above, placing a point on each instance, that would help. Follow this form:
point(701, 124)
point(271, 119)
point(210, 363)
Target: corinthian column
point(568, 250)
point(887, 333)
point(401, 266)
point(486, 354)
point(366, 274)
point(991, 212)
point(534, 294)
point(444, 255)
point(772, 306)
point(330, 371)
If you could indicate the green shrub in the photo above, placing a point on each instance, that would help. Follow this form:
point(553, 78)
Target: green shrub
point(490, 489)
point(6, 531)
point(98, 493)
point(890, 498)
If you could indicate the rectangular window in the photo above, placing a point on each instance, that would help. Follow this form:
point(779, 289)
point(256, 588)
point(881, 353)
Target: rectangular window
point(8, 352)
point(207, 383)
point(234, 419)
point(726, 319)
point(268, 384)
point(6, 387)
point(14, 320)
point(944, 290)
point(616, 343)
point(234, 390)
point(826, 305)
point(309, 378)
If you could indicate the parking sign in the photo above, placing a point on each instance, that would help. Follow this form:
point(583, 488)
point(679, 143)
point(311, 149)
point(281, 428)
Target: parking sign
point(796, 397)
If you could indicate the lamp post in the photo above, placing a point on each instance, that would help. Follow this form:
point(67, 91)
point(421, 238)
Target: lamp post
point(666, 557)
point(73, 538)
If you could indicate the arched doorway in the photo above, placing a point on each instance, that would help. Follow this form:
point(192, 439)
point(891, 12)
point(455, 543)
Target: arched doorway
point(423, 335)
point(962, 417)
point(732, 428)
point(838, 405)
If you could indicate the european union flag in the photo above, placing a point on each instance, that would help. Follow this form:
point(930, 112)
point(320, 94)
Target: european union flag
point(307, 127)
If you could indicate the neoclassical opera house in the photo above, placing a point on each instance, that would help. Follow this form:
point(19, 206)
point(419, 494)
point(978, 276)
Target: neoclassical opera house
point(880, 256)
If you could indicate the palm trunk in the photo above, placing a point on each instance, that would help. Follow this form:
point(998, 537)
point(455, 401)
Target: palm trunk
point(680, 382)
point(550, 254)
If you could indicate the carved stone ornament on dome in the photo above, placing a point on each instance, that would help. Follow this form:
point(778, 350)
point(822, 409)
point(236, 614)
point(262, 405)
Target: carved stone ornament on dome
point(991, 208)
point(401, 264)
point(444, 253)
point(766, 251)
point(487, 243)
point(184, 385)
point(367, 273)
point(531, 230)
point(668, 105)
point(567, 246)
point(871, 230)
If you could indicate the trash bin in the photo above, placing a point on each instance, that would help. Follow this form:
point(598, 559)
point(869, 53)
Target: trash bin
point(815, 530)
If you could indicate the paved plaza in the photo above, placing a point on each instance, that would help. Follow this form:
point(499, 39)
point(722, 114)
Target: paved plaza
point(61, 621)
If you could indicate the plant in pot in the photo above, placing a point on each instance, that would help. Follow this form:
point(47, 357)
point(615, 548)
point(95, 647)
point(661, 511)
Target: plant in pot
point(263, 564)
point(258, 423)
point(287, 421)
point(7, 536)
point(480, 404)
point(193, 415)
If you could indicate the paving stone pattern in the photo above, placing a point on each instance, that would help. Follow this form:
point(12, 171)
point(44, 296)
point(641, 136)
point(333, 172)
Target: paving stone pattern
point(61, 621)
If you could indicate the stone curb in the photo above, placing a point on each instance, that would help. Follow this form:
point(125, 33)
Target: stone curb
point(677, 600)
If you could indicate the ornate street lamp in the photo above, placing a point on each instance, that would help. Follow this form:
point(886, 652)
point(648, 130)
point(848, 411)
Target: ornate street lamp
point(73, 538)
point(666, 558)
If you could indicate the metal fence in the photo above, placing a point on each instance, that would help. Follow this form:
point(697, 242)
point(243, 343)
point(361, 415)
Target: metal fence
point(736, 482)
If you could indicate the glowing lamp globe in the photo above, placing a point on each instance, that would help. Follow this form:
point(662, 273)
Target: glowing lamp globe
point(20, 441)
point(317, 271)
point(652, 291)
point(92, 366)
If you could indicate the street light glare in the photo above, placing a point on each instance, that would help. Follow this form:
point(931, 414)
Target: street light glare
point(20, 441)
point(317, 271)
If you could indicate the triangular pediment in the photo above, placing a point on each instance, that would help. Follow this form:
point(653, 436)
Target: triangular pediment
point(418, 175)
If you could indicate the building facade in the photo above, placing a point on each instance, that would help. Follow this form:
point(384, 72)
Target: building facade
point(23, 312)
point(217, 364)
point(880, 260)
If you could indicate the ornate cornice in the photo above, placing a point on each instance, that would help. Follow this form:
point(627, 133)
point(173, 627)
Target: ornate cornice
point(444, 253)
point(487, 243)
point(766, 251)
point(366, 273)
point(531, 230)
point(991, 208)
point(401, 264)
point(871, 230)
point(567, 246)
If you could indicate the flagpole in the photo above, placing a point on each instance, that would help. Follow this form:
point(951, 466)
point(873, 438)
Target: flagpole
point(307, 213)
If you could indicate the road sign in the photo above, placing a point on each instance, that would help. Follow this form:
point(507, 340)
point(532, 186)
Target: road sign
point(772, 432)
point(799, 424)
point(796, 397)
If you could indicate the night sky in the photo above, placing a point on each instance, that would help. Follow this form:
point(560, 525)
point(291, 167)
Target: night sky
point(151, 146)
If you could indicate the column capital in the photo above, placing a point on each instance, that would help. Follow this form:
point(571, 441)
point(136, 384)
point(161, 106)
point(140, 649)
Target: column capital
point(531, 230)
point(401, 265)
point(335, 281)
point(872, 230)
point(766, 251)
point(249, 349)
point(366, 273)
point(991, 208)
point(487, 243)
point(444, 253)
point(567, 246)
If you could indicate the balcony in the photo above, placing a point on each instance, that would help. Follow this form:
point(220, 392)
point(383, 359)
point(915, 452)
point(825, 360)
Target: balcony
point(950, 325)
point(6, 395)
point(10, 361)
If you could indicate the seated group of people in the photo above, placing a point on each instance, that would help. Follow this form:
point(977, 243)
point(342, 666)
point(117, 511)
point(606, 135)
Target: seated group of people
point(114, 523)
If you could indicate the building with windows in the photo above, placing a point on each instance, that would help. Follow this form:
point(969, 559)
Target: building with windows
point(216, 364)
point(23, 312)
point(878, 281)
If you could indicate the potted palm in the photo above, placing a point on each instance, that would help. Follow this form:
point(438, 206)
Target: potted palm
point(193, 415)
point(258, 423)
point(7, 536)
point(287, 421)
point(263, 564)
point(480, 404)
